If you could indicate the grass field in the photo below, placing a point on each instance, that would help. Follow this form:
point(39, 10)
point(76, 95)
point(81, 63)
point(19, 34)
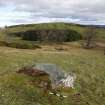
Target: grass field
point(88, 65)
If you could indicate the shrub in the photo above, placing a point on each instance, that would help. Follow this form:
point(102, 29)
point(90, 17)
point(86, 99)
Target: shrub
point(73, 36)
point(89, 38)
point(3, 43)
point(19, 45)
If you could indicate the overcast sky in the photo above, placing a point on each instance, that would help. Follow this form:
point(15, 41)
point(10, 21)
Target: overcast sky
point(38, 11)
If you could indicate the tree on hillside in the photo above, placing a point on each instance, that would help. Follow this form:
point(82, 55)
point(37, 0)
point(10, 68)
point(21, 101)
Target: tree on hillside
point(89, 38)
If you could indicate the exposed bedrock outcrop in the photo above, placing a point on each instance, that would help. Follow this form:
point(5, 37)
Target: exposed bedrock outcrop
point(49, 35)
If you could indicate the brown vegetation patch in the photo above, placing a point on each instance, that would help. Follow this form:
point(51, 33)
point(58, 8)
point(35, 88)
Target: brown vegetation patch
point(41, 80)
point(32, 72)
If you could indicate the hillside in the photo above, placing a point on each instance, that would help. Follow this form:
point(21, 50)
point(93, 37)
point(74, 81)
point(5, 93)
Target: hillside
point(79, 28)
point(28, 36)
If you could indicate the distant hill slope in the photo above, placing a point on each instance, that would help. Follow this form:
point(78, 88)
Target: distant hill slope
point(77, 27)
point(6, 38)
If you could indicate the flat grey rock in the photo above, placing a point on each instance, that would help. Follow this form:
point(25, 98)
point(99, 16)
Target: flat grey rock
point(57, 75)
point(55, 72)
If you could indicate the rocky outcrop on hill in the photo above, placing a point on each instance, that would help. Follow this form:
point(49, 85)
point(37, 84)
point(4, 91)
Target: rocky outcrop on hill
point(47, 35)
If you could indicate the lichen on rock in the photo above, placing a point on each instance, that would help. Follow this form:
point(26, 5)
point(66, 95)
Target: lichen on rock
point(54, 74)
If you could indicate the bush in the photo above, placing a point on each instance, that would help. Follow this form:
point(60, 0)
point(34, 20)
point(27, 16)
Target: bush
point(73, 36)
point(89, 38)
point(3, 43)
point(19, 45)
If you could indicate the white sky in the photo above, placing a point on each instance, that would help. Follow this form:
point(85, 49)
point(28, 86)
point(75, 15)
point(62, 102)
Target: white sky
point(39, 11)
